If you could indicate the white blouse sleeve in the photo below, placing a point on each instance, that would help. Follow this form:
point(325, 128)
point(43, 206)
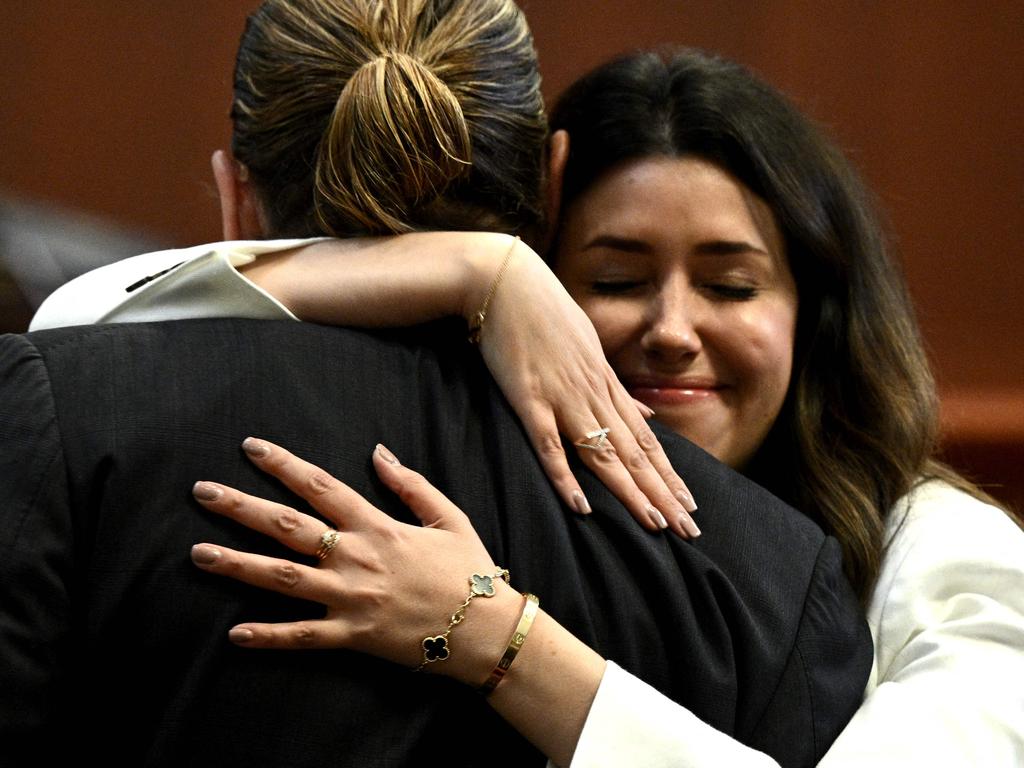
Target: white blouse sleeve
point(632, 724)
point(948, 617)
point(178, 284)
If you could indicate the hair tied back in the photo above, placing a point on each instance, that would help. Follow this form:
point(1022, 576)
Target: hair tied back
point(396, 139)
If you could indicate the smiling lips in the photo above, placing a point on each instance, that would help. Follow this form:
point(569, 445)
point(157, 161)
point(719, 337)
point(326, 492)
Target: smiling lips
point(673, 392)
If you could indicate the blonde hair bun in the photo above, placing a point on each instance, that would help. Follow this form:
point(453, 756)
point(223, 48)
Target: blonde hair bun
point(396, 139)
point(358, 116)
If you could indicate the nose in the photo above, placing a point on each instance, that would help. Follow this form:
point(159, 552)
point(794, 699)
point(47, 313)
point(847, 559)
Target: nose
point(671, 330)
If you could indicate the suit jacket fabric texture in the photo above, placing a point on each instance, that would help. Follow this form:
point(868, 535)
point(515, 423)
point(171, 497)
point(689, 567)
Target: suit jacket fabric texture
point(112, 642)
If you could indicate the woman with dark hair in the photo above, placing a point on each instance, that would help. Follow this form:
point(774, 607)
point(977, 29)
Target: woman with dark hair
point(739, 283)
point(857, 426)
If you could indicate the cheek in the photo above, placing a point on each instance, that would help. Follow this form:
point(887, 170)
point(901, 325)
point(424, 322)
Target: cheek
point(614, 322)
point(765, 349)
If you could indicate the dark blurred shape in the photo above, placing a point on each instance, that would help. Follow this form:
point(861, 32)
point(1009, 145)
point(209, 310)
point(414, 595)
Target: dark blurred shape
point(42, 247)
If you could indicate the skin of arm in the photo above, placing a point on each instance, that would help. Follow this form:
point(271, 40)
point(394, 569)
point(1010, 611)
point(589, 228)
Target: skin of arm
point(373, 282)
point(388, 585)
point(556, 674)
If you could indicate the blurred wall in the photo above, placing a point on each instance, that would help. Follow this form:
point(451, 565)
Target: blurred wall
point(114, 108)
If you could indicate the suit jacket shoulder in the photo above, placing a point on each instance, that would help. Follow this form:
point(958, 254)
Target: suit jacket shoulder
point(36, 548)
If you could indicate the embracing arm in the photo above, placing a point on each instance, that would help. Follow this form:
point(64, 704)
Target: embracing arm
point(538, 344)
point(383, 281)
point(947, 612)
point(387, 586)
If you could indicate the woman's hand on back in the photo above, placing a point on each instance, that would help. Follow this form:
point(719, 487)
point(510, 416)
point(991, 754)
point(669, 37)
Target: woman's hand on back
point(386, 585)
point(390, 588)
point(546, 356)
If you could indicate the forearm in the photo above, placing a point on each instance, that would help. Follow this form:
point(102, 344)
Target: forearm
point(558, 689)
point(547, 692)
point(382, 282)
point(548, 697)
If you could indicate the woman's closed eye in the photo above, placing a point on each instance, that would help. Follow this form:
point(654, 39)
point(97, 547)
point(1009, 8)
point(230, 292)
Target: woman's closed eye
point(615, 287)
point(731, 292)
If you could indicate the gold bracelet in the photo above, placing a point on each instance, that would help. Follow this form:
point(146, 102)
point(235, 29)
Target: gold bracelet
point(477, 323)
point(514, 644)
point(480, 585)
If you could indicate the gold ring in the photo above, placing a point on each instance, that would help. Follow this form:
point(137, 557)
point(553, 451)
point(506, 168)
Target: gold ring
point(595, 440)
point(328, 541)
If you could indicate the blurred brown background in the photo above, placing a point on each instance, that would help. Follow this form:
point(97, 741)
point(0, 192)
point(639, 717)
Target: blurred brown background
point(111, 109)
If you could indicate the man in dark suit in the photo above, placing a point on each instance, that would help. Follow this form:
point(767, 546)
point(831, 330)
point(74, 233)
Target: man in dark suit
point(111, 640)
point(114, 644)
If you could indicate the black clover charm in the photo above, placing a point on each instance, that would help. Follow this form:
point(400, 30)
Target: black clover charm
point(435, 648)
point(481, 584)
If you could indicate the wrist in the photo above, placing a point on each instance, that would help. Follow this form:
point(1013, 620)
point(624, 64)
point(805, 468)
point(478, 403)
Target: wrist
point(548, 692)
point(486, 637)
point(468, 648)
point(486, 259)
point(531, 604)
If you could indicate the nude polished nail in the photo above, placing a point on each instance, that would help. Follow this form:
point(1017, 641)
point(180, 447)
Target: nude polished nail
point(204, 554)
point(686, 499)
point(387, 455)
point(255, 448)
point(206, 491)
point(689, 525)
point(240, 635)
point(580, 503)
point(659, 519)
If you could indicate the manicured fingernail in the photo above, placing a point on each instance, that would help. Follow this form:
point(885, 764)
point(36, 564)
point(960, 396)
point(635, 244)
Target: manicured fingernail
point(580, 503)
point(206, 491)
point(659, 519)
point(387, 455)
point(645, 410)
point(204, 554)
point(255, 448)
point(240, 635)
point(689, 525)
point(686, 500)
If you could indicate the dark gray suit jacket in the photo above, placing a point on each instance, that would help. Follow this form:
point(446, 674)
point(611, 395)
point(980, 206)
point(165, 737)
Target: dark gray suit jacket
point(113, 643)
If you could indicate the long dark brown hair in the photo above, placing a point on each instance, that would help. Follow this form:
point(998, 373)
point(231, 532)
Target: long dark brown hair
point(859, 424)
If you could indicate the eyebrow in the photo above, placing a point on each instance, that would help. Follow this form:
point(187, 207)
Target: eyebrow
point(708, 248)
point(626, 244)
point(729, 247)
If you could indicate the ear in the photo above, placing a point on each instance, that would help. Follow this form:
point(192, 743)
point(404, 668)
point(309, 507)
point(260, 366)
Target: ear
point(241, 213)
point(558, 156)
